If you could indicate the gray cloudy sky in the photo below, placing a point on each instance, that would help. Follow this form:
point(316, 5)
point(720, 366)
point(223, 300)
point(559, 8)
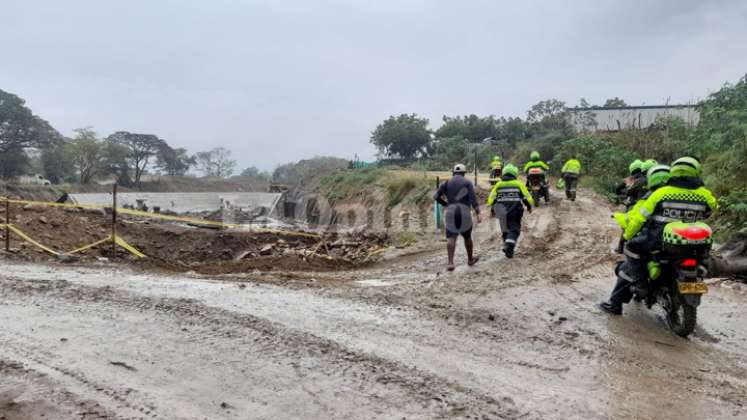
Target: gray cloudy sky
point(278, 80)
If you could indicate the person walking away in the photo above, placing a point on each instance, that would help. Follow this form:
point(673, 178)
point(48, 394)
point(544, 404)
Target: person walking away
point(457, 195)
point(505, 201)
point(571, 171)
point(684, 199)
point(535, 163)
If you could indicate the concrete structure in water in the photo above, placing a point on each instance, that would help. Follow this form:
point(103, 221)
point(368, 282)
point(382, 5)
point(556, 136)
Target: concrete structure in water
point(629, 117)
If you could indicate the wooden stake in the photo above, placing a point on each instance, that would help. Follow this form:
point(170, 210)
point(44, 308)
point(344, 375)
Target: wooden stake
point(114, 221)
point(7, 225)
point(475, 167)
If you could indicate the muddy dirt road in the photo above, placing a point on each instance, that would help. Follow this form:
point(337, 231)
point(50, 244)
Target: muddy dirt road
point(404, 339)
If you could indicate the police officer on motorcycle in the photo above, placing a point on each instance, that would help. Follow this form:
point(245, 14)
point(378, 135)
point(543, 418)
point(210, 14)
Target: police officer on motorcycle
point(683, 198)
point(633, 187)
point(535, 162)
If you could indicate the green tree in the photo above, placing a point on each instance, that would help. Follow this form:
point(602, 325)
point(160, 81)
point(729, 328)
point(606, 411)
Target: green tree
point(615, 103)
point(549, 117)
point(85, 151)
point(56, 164)
point(721, 139)
point(13, 163)
point(142, 147)
point(254, 172)
point(404, 136)
point(115, 161)
point(20, 129)
point(586, 119)
point(512, 130)
point(450, 150)
point(174, 162)
point(471, 127)
point(216, 163)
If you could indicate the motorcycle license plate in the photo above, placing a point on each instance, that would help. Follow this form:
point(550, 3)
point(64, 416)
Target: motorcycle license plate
point(693, 288)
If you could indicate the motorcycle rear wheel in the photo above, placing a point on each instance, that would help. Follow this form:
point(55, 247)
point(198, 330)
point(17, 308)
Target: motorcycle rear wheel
point(536, 197)
point(681, 317)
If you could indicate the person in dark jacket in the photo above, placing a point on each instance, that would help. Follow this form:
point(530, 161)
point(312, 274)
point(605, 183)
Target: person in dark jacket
point(457, 195)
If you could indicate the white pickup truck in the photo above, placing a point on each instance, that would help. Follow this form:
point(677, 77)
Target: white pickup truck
point(33, 179)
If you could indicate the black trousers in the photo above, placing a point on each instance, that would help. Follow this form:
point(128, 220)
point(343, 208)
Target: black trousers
point(634, 270)
point(509, 215)
point(571, 182)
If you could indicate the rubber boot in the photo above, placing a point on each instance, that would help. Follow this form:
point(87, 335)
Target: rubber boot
point(508, 249)
point(621, 294)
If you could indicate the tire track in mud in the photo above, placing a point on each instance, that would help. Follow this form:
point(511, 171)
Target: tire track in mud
point(28, 393)
point(109, 400)
point(441, 398)
point(568, 249)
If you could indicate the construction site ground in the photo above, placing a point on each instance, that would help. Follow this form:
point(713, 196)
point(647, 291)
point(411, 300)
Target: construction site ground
point(398, 338)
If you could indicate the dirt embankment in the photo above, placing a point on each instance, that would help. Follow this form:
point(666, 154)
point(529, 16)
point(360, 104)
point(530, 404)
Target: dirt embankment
point(180, 247)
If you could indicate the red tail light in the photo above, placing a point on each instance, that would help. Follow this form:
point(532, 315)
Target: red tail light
point(689, 263)
point(694, 233)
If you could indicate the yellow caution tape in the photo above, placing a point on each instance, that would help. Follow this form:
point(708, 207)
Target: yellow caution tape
point(140, 213)
point(121, 242)
point(87, 247)
point(31, 241)
point(118, 240)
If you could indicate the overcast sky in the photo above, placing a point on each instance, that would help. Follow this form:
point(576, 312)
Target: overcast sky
point(282, 80)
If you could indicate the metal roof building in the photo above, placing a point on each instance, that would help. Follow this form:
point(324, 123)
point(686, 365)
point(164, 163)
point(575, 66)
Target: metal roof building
point(621, 118)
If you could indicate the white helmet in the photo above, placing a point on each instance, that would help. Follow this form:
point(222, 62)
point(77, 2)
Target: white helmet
point(459, 168)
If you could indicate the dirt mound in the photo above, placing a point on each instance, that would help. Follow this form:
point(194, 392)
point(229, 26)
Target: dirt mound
point(187, 248)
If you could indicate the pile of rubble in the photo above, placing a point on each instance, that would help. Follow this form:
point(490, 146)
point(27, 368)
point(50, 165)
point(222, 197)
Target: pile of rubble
point(351, 248)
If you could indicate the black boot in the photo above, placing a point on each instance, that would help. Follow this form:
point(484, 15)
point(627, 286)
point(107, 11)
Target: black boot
point(508, 249)
point(621, 294)
point(611, 308)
